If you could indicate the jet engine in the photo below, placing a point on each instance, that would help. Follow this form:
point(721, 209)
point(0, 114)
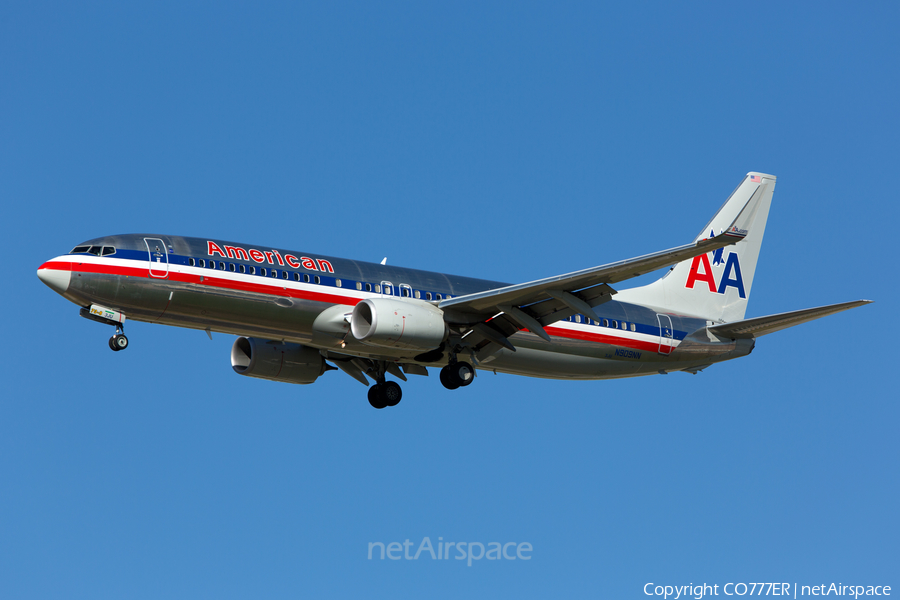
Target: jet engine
point(396, 323)
point(276, 361)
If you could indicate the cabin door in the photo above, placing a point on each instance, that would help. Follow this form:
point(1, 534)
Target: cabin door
point(666, 337)
point(159, 257)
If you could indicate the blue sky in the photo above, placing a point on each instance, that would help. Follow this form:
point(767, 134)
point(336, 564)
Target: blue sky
point(505, 141)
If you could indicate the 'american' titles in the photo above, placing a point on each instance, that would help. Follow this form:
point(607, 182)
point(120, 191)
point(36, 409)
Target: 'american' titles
point(268, 256)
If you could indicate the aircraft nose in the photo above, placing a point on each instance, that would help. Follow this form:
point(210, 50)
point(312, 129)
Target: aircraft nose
point(57, 280)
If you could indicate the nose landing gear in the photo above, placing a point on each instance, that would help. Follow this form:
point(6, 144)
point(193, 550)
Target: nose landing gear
point(108, 316)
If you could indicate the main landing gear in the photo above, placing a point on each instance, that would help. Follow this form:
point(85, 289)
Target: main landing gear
point(386, 393)
point(457, 374)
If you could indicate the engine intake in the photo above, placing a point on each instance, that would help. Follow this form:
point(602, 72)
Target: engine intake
point(276, 361)
point(395, 323)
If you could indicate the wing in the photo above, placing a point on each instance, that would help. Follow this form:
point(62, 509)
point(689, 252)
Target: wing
point(539, 303)
point(753, 328)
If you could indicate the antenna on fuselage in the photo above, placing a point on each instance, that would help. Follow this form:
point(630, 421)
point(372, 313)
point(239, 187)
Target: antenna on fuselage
point(384, 260)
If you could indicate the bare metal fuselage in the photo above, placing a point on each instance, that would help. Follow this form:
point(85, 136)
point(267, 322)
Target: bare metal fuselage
point(159, 279)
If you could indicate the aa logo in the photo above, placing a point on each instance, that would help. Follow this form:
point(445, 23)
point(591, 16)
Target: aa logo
point(729, 276)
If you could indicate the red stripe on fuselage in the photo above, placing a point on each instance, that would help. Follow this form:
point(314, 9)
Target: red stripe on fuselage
point(602, 339)
point(314, 296)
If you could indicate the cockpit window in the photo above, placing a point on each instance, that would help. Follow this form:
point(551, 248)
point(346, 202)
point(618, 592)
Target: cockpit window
point(80, 249)
point(107, 250)
point(95, 250)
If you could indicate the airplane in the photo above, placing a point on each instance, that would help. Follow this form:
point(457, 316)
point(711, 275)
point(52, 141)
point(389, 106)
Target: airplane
point(298, 315)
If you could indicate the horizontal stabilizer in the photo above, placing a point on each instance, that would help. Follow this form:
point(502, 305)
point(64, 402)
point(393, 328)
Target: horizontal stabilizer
point(753, 328)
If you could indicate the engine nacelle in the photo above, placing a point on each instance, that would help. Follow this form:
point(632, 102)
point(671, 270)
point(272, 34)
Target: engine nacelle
point(396, 323)
point(276, 361)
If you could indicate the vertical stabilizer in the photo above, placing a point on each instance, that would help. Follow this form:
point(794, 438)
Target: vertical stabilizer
point(714, 286)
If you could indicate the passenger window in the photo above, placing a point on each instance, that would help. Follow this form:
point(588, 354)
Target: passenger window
point(107, 250)
point(212, 264)
point(252, 270)
point(368, 287)
point(377, 289)
point(221, 266)
point(318, 280)
point(633, 328)
point(296, 276)
point(191, 262)
point(232, 268)
point(606, 322)
point(438, 297)
point(203, 263)
point(359, 285)
point(306, 278)
point(578, 318)
point(80, 249)
point(243, 268)
point(262, 271)
point(337, 282)
point(418, 295)
point(284, 275)
point(624, 325)
point(428, 295)
point(614, 325)
point(275, 273)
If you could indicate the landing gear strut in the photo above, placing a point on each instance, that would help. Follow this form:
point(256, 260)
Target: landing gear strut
point(457, 374)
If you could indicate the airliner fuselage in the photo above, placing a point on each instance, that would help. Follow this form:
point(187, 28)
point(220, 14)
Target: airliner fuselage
point(303, 298)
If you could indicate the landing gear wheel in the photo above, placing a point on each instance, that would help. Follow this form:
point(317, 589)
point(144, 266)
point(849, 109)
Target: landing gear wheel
point(376, 397)
point(445, 379)
point(458, 374)
point(120, 341)
point(391, 393)
point(112, 344)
